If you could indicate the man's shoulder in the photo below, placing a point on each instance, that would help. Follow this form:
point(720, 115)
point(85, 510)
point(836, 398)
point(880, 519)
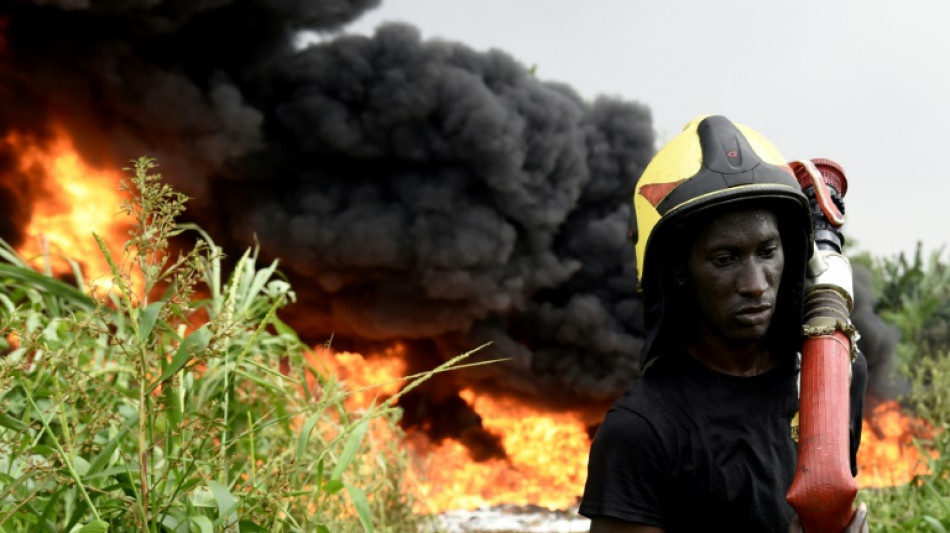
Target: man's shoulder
point(647, 402)
point(644, 394)
point(636, 419)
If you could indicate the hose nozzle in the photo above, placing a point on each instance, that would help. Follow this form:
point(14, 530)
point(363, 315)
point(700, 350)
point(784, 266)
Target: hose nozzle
point(824, 183)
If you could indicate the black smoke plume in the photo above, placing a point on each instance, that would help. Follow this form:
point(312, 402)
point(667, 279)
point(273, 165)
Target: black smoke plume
point(415, 191)
point(878, 341)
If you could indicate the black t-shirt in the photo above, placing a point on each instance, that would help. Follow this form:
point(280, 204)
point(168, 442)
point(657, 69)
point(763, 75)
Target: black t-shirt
point(688, 448)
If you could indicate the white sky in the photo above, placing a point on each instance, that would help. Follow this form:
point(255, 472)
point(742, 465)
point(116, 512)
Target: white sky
point(863, 82)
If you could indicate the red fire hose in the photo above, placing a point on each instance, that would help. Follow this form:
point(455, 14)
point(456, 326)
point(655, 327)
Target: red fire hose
point(823, 490)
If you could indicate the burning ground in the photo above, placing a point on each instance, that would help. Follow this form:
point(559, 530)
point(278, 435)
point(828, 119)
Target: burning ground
point(417, 192)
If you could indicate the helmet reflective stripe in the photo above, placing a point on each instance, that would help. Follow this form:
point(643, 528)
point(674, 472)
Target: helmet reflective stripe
point(754, 189)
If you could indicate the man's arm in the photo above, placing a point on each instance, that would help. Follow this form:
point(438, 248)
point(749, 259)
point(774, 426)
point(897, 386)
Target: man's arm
point(609, 525)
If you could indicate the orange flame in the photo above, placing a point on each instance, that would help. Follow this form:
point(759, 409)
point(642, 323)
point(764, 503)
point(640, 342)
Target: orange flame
point(368, 381)
point(78, 201)
point(13, 340)
point(888, 455)
point(547, 452)
point(546, 463)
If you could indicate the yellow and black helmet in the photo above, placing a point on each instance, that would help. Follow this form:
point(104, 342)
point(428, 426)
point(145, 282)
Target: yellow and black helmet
point(712, 164)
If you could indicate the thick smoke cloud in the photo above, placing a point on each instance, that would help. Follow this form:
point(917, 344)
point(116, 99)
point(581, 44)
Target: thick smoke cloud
point(164, 78)
point(440, 193)
point(415, 191)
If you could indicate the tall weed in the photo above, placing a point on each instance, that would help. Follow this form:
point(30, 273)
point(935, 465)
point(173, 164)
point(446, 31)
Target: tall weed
point(178, 401)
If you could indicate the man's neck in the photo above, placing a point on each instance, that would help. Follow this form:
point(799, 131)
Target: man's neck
point(737, 358)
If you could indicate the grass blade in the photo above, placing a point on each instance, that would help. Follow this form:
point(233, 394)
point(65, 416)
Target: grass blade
point(358, 497)
point(198, 340)
point(96, 526)
point(47, 285)
point(349, 450)
point(305, 433)
point(227, 505)
point(935, 524)
point(148, 319)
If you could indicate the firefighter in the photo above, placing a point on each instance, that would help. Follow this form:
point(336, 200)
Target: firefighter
point(706, 439)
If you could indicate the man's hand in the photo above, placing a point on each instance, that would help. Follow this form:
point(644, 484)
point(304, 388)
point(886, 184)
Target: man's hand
point(859, 522)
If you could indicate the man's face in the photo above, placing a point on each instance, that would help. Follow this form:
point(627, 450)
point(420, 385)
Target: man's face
point(733, 270)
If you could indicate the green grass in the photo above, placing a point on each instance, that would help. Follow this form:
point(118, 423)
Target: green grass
point(180, 402)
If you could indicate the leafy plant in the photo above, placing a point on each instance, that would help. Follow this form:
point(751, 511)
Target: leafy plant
point(178, 401)
point(915, 296)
